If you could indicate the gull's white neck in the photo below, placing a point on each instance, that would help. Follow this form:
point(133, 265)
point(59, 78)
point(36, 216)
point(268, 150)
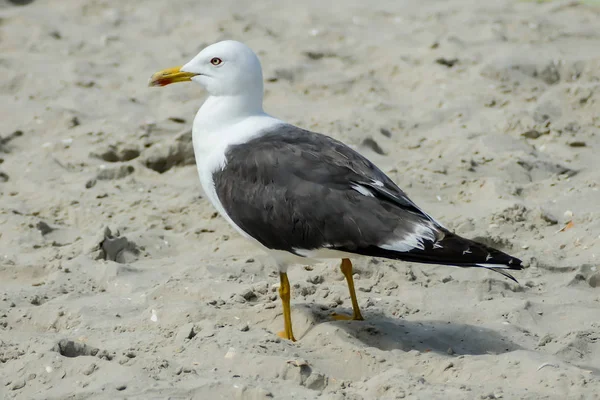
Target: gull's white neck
point(218, 112)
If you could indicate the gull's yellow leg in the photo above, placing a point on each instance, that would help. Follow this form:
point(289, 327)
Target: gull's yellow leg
point(284, 294)
point(346, 268)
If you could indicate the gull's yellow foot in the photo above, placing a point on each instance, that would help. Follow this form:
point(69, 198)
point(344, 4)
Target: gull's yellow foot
point(346, 268)
point(284, 335)
point(284, 294)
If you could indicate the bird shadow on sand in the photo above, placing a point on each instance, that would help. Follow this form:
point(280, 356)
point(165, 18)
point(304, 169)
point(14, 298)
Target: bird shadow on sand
point(385, 333)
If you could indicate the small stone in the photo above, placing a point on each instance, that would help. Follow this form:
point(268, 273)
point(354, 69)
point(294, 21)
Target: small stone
point(315, 279)
point(315, 55)
point(450, 351)
point(548, 217)
point(71, 348)
point(568, 214)
point(248, 295)
point(73, 122)
point(244, 327)
point(532, 134)
point(89, 369)
point(594, 280)
point(307, 290)
point(36, 300)
point(447, 62)
point(239, 298)
point(104, 355)
point(261, 288)
point(316, 381)
point(446, 279)
point(44, 228)
point(544, 340)
point(121, 387)
point(19, 384)
point(186, 332)
point(114, 173)
point(490, 103)
point(577, 143)
point(550, 74)
point(391, 285)
point(117, 248)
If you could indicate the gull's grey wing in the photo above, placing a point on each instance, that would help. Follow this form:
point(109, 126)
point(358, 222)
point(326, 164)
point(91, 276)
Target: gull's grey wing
point(296, 190)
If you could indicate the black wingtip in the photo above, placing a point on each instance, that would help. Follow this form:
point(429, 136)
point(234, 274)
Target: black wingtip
point(506, 274)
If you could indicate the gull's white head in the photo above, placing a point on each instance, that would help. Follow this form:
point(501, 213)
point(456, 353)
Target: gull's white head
point(227, 68)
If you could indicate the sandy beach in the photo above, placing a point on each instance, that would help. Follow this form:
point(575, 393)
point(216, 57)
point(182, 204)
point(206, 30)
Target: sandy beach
point(118, 279)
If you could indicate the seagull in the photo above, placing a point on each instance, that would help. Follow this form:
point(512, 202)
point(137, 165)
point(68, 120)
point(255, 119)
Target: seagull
point(301, 195)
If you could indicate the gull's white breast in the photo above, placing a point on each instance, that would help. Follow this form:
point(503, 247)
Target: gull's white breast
point(210, 147)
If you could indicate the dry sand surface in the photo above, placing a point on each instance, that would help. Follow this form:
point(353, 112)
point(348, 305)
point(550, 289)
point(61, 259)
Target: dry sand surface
point(117, 279)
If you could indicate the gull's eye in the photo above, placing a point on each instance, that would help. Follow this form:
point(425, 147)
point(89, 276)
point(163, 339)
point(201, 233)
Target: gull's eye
point(216, 61)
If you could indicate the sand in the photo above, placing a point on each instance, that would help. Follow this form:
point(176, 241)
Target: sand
point(117, 279)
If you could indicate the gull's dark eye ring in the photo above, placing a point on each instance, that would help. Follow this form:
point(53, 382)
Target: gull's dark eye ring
point(216, 61)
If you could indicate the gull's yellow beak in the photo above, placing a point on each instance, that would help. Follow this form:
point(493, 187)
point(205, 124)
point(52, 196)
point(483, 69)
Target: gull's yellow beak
point(170, 75)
